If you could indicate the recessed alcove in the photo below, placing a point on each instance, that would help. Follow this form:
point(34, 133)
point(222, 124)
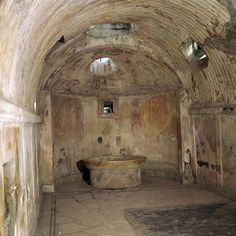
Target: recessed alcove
point(108, 107)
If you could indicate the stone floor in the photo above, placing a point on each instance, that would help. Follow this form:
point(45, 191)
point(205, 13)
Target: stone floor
point(81, 210)
point(206, 219)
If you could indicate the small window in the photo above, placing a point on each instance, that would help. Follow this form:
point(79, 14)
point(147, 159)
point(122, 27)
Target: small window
point(107, 107)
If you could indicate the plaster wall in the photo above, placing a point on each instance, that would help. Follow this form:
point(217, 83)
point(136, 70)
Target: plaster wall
point(144, 125)
point(228, 142)
point(214, 146)
point(46, 145)
point(19, 171)
point(185, 133)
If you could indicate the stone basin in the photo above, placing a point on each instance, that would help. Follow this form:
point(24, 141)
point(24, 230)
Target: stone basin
point(114, 172)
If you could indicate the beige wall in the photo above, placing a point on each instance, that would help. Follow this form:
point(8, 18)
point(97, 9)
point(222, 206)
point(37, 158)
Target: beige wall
point(215, 148)
point(19, 171)
point(144, 125)
point(46, 145)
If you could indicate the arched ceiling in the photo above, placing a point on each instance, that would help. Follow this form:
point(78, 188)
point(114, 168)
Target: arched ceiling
point(136, 74)
point(29, 29)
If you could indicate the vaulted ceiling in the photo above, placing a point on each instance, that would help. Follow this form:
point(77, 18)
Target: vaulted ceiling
point(149, 59)
point(136, 73)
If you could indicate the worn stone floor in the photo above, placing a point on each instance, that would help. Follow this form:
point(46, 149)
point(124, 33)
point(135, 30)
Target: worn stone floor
point(81, 210)
point(206, 219)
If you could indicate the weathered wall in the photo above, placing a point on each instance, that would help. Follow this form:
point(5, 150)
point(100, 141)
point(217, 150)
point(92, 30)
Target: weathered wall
point(68, 125)
point(228, 142)
point(19, 171)
point(207, 158)
point(144, 125)
point(46, 145)
point(185, 133)
point(214, 131)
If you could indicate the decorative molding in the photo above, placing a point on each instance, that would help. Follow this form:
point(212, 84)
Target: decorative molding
point(10, 113)
point(225, 109)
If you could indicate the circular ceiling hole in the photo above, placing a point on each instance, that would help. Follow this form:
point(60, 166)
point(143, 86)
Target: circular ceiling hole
point(103, 66)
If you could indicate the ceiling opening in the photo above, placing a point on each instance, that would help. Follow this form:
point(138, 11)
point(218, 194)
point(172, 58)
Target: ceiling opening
point(110, 30)
point(56, 45)
point(103, 66)
point(195, 54)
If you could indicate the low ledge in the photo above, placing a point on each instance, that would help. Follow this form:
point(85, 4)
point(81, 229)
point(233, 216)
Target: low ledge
point(225, 109)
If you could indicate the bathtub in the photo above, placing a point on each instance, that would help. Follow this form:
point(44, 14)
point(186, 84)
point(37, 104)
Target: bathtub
point(115, 171)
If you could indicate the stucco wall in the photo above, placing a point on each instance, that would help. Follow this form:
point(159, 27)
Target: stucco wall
point(19, 171)
point(228, 133)
point(46, 145)
point(144, 125)
point(215, 144)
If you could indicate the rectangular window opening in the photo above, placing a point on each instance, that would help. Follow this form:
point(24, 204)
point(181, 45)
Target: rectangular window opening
point(107, 107)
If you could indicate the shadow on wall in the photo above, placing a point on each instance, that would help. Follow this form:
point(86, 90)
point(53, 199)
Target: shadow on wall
point(84, 170)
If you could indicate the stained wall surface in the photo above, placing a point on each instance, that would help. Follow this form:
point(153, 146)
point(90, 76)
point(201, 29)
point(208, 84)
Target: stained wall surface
point(143, 125)
point(228, 131)
point(19, 170)
point(214, 148)
point(46, 146)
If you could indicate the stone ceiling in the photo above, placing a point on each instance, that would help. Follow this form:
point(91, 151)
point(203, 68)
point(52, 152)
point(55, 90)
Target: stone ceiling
point(136, 74)
point(149, 59)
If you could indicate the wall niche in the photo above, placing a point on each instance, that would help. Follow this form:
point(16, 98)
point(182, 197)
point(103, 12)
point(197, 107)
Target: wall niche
point(108, 107)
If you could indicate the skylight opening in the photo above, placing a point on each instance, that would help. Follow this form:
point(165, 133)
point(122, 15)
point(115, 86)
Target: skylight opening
point(195, 54)
point(110, 30)
point(56, 45)
point(103, 66)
